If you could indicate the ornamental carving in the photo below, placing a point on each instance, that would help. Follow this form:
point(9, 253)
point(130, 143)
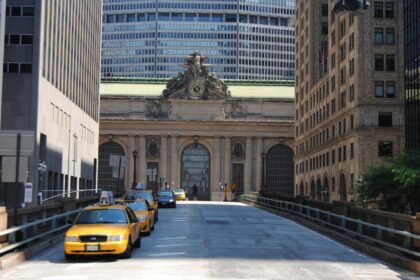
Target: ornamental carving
point(196, 82)
point(157, 109)
point(238, 110)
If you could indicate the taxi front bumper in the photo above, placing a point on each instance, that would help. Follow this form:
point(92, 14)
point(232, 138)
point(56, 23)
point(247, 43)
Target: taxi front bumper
point(81, 248)
point(180, 197)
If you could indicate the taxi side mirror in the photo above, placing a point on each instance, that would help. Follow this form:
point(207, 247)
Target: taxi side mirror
point(134, 220)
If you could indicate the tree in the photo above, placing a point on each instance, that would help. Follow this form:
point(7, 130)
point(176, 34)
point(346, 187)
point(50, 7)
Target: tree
point(395, 184)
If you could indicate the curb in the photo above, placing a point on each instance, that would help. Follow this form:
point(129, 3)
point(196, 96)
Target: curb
point(15, 258)
point(386, 256)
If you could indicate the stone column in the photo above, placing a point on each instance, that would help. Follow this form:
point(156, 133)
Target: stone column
point(163, 159)
point(130, 162)
point(228, 161)
point(258, 167)
point(248, 166)
point(217, 169)
point(142, 166)
point(174, 160)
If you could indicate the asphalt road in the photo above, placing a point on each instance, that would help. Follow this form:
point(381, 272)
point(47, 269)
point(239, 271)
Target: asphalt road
point(210, 240)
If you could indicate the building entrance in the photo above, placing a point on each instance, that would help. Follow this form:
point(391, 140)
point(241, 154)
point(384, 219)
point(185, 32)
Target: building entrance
point(195, 170)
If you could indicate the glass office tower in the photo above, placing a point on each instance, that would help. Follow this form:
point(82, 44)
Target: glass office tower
point(412, 74)
point(244, 39)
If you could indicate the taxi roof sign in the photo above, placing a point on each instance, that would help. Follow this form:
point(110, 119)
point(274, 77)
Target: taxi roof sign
point(107, 198)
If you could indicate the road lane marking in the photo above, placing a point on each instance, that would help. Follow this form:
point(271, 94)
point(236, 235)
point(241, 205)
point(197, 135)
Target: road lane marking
point(167, 254)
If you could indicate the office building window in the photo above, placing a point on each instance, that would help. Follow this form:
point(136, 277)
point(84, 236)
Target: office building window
point(379, 36)
point(379, 9)
point(351, 150)
point(324, 28)
point(389, 9)
point(379, 89)
point(390, 62)
point(385, 119)
point(324, 10)
point(379, 62)
point(390, 89)
point(389, 36)
point(385, 148)
point(351, 93)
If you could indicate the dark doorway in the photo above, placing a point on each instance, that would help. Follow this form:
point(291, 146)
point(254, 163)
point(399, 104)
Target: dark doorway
point(279, 171)
point(238, 176)
point(107, 175)
point(195, 170)
point(152, 176)
point(326, 190)
point(343, 189)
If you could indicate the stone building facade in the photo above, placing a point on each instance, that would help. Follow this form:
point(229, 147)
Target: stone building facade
point(349, 94)
point(199, 131)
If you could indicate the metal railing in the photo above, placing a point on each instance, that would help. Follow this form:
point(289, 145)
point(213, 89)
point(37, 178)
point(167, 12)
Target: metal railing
point(354, 227)
point(21, 235)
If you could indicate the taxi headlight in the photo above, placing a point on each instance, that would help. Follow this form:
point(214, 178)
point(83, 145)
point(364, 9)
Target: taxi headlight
point(71, 239)
point(171, 200)
point(115, 238)
point(142, 218)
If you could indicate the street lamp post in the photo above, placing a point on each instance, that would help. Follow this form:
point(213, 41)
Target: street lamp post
point(134, 170)
point(263, 186)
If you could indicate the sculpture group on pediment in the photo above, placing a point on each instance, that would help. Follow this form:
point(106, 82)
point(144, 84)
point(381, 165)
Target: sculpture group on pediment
point(196, 82)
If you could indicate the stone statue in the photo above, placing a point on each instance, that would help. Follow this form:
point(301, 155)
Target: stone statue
point(196, 82)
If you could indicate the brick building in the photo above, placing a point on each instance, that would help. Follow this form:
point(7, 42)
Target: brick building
point(349, 94)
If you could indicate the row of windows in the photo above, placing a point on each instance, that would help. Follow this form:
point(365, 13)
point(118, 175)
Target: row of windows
point(23, 68)
point(194, 17)
point(20, 11)
point(323, 160)
point(326, 136)
point(384, 9)
point(18, 39)
point(60, 117)
point(268, 8)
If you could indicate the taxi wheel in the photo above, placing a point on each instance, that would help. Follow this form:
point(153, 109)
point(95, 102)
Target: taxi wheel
point(153, 227)
point(137, 244)
point(70, 257)
point(128, 251)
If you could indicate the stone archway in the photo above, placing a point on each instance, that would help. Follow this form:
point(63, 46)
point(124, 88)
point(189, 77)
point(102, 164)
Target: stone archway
point(108, 178)
point(279, 170)
point(342, 188)
point(326, 190)
point(312, 192)
point(319, 189)
point(195, 170)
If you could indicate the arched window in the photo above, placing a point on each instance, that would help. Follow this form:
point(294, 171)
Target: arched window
point(318, 189)
point(195, 170)
point(312, 193)
point(279, 174)
point(108, 175)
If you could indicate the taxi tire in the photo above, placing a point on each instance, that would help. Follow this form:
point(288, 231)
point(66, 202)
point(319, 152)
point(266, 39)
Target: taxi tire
point(153, 227)
point(69, 257)
point(128, 251)
point(137, 244)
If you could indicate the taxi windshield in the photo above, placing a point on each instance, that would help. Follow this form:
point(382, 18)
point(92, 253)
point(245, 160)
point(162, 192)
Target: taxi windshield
point(137, 206)
point(145, 195)
point(102, 216)
point(179, 190)
point(165, 194)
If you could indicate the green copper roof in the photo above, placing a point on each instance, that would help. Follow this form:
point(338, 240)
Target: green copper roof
point(239, 88)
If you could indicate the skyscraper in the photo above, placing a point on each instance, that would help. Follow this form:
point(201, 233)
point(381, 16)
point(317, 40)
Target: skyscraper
point(412, 73)
point(349, 94)
point(51, 87)
point(245, 39)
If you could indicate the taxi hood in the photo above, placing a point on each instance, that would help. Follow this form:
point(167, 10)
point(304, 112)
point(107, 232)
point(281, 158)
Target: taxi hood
point(97, 229)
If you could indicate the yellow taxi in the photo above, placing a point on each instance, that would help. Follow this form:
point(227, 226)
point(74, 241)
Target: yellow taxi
point(107, 229)
point(144, 213)
point(179, 194)
point(148, 196)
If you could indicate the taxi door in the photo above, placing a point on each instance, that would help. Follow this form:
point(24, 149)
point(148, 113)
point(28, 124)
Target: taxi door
point(134, 226)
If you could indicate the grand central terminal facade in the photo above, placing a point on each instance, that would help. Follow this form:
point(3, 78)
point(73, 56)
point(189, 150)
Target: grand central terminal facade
point(197, 130)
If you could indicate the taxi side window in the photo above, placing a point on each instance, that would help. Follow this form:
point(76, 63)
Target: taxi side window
point(131, 215)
